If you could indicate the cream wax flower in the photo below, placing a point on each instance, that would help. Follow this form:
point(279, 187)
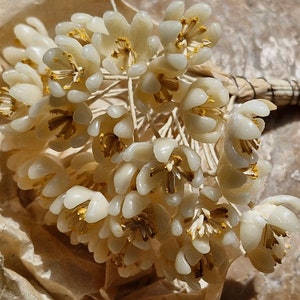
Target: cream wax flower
point(171, 168)
point(160, 87)
point(34, 41)
point(204, 219)
point(240, 186)
point(78, 209)
point(25, 88)
point(63, 126)
point(43, 172)
point(127, 47)
point(85, 171)
point(126, 237)
point(264, 230)
point(73, 69)
point(185, 36)
point(112, 132)
point(201, 109)
point(243, 131)
point(81, 27)
point(179, 260)
point(211, 221)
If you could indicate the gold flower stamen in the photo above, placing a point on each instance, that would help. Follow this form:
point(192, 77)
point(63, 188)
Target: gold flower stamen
point(140, 224)
point(75, 72)
point(251, 171)
point(208, 223)
point(81, 35)
point(8, 104)
point(63, 120)
point(174, 170)
point(188, 36)
point(168, 85)
point(124, 52)
point(111, 144)
point(248, 146)
point(76, 218)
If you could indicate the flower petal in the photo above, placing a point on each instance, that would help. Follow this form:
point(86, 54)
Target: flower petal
point(163, 148)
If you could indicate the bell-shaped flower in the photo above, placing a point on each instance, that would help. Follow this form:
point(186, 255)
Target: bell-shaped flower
point(201, 109)
point(79, 212)
point(180, 260)
point(25, 89)
point(43, 172)
point(203, 219)
point(171, 168)
point(64, 126)
point(81, 27)
point(112, 132)
point(127, 47)
point(212, 221)
point(25, 84)
point(128, 231)
point(265, 229)
point(160, 88)
point(240, 186)
point(186, 36)
point(34, 42)
point(73, 70)
point(243, 130)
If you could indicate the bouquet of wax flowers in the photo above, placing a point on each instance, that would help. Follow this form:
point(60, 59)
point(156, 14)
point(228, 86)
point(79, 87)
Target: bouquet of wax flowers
point(134, 154)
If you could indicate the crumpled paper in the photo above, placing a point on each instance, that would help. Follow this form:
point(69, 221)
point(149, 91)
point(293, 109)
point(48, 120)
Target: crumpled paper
point(260, 38)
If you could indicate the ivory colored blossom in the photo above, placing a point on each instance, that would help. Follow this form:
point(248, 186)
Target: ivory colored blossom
point(129, 153)
point(266, 228)
point(243, 131)
point(127, 47)
point(201, 109)
point(186, 36)
point(171, 167)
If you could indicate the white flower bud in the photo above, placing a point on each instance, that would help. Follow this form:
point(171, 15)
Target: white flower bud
point(168, 31)
point(82, 114)
point(22, 124)
point(201, 245)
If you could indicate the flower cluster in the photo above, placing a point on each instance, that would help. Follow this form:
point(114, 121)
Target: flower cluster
point(119, 143)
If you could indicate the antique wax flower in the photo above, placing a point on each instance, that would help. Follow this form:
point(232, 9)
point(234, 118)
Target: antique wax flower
point(73, 69)
point(170, 168)
point(243, 131)
point(185, 36)
point(112, 132)
point(132, 147)
point(34, 41)
point(266, 228)
point(201, 109)
point(127, 47)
